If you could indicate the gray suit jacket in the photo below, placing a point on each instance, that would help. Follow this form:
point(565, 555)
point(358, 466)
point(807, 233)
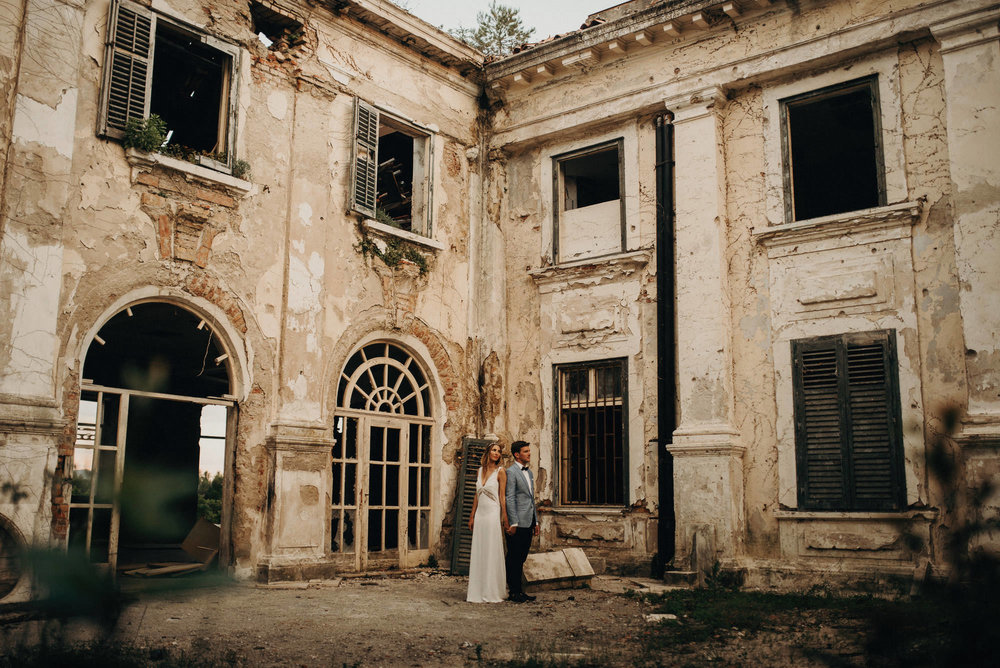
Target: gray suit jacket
point(520, 499)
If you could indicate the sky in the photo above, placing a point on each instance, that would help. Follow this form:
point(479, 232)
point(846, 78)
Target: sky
point(547, 17)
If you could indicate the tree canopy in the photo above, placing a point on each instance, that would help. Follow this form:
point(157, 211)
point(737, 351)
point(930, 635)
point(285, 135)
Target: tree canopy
point(497, 32)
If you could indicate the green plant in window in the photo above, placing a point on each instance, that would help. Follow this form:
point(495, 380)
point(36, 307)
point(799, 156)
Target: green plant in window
point(145, 134)
point(382, 216)
point(241, 168)
point(396, 251)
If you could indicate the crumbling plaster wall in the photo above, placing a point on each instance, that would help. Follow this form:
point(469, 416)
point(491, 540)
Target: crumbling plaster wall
point(918, 282)
point(274, 261)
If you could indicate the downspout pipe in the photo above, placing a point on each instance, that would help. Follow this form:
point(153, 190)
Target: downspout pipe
point(666, 340)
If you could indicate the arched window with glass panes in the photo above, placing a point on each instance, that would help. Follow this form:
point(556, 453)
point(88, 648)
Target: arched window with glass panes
point(381, 482)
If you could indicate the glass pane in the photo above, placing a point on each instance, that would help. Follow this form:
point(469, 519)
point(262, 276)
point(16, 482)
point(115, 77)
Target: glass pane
point(336, 482)
point(109, 419)
point(374, 530)
point(100, 535)
point(350, 482)
point(609, 382)
point(347, 540)
point(413, 488)
point(391, 529)
point(83, 471)
point(392, 445)
point(414, 442)
point(105, 491)
point(86, 421)
point(351, 439)
point(425, 444)
point(213, 421)
point(411, 528)
point(375, 485)
point(376, 446)
point(392, 485)
point(338, 438)
point(335, 531)
point(425, 486)
point(575, 388)
point(424, 519)
point(78, 528)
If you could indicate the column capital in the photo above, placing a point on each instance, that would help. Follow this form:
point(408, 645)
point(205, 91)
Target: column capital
point(970, 30)
point(695, 104)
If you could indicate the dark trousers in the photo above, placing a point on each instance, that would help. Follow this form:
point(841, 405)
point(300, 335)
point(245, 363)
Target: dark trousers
point(517, 551)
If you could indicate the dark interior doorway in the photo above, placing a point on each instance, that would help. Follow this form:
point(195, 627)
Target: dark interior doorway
point(172, 369)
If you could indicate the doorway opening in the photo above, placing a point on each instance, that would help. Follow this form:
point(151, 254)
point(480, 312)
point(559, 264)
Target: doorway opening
point(149, 459)
point(381, 514)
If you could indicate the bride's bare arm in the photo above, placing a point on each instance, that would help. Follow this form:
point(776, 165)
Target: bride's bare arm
point(502, 481)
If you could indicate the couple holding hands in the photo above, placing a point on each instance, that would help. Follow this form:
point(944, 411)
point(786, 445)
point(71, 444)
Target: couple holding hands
point(504, 504)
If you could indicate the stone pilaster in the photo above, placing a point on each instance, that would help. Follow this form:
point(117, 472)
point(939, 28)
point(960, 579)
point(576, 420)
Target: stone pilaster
point(970, 49)
point(708, 477)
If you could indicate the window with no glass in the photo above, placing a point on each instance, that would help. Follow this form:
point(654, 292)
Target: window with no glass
point(592, 432)
point(392, 176)
point(831, 141)
point(848, 439)
point(154, 65)
point(589, 219)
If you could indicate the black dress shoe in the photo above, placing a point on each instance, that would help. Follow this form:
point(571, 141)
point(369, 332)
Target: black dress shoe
point(516, 598)
point(529, 597)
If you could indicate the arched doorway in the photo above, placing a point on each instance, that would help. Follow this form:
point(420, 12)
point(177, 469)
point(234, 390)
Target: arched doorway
point(382, 472)
point(155, 414)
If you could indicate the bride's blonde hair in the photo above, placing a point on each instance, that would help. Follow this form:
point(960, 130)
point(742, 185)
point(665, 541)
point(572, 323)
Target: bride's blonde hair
point(486, 455)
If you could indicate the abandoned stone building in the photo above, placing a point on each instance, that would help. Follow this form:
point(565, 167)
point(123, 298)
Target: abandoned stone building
point(730, 267)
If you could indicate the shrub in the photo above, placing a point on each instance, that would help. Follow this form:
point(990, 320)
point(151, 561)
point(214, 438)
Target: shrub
point(145, 134)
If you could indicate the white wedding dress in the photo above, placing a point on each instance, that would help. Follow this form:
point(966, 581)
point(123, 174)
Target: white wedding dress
point(487, 573)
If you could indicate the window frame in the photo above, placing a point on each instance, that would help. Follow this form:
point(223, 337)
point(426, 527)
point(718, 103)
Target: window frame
point(560, 474)
point(367, 121)
point(228, 102)
point(895, 494)
point(869, 82)
point(558, 190)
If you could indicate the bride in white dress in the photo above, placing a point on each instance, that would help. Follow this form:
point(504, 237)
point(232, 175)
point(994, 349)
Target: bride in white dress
point(487, 573)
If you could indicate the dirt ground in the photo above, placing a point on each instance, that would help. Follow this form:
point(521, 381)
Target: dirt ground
point(422, 619)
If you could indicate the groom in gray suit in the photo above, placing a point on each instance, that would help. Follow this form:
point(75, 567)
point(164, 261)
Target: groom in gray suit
point(522, 517)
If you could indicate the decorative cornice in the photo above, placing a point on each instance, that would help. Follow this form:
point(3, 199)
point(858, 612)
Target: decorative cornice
point(902, 215)
point(966, 31)
point(695, 104)
point(608, 267)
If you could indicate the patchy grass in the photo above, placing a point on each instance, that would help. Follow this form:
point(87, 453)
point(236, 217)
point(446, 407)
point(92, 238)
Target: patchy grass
point(111, 654)
point(936, 629)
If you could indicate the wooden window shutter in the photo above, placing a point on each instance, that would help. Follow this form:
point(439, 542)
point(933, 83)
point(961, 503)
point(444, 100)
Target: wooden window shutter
point(128, 67)
point(366, 119)
point(461, 546)
point(847, 423)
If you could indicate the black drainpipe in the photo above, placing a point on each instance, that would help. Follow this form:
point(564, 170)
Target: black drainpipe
point(666, 386)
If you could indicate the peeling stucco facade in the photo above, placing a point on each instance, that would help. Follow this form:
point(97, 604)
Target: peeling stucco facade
point(271, 263)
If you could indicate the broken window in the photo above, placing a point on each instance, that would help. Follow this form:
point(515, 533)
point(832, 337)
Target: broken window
point(155, 65)
point(832, 150)
point(392, 174)
point(589, 214)
point(592, 432)
point(847, 422)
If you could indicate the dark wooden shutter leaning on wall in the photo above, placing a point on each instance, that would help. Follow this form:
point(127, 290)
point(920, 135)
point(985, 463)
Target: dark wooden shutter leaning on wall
point(128, 67)
point(365, 186)
point(461, 546)
point(848, 435)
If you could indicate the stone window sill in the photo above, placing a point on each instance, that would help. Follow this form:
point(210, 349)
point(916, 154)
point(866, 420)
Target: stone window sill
point(607, 266)
point(903, 214)
point(141, 161)
point(855, 516)
point(607, 511)
point(390, 231)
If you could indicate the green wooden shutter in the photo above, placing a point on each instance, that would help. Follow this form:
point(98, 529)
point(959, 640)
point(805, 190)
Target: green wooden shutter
point(873, 416)
point(847, 425)
point(128, 67)
point(365, 191)
point(461, 546)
